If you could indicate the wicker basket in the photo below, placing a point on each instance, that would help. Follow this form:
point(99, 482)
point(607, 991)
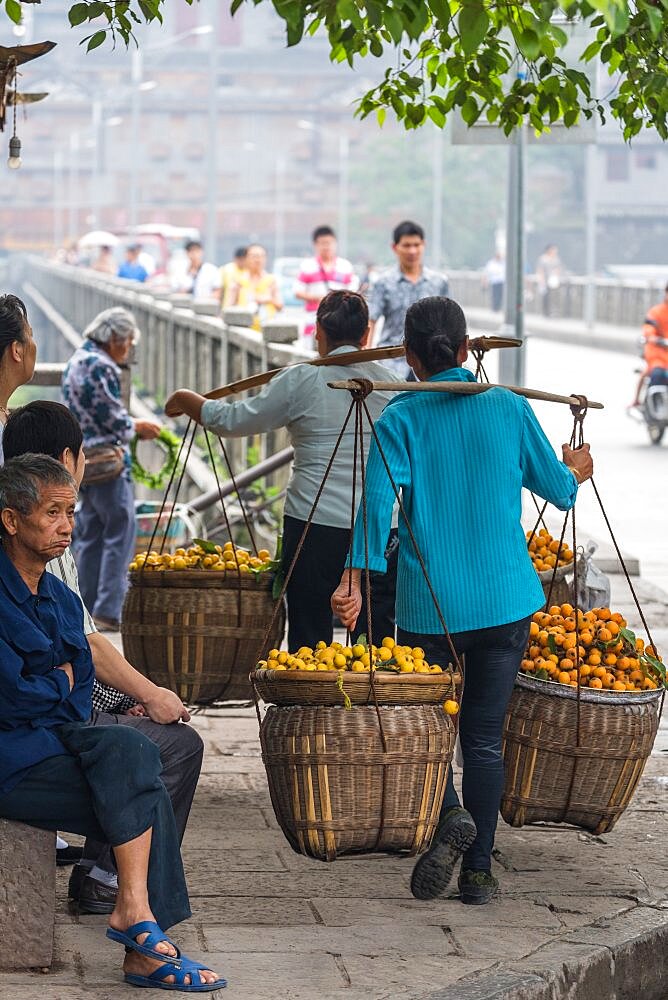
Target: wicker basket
point(304, 687)
point(198, 632)
point(335, 791)
point(550, 779)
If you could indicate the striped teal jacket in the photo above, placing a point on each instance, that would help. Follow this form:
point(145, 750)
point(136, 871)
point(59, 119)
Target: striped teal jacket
point(461, 463)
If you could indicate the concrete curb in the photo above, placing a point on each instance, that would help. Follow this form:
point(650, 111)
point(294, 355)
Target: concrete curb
point(618, 959)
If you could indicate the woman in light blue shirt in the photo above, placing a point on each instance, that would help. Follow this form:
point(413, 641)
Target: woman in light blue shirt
point(461, 462)
point(299, 399)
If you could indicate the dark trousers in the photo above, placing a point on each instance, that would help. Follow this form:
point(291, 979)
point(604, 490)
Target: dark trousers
point(316, 576)
point(107, 786)
point(181, 750)
point(104, 545)
point(492, 659)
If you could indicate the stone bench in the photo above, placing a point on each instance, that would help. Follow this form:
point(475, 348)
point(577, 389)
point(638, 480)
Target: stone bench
point(27, 896)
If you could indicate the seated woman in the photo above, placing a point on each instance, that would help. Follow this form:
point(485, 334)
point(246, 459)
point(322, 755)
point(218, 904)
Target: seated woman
point(55, 770)
point(461, 462)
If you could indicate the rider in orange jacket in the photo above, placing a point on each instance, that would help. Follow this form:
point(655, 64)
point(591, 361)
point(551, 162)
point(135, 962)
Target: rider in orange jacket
point(655, 343)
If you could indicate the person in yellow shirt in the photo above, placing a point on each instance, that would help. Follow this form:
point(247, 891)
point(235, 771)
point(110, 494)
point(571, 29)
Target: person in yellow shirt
point(230, 274)
point(256, 287)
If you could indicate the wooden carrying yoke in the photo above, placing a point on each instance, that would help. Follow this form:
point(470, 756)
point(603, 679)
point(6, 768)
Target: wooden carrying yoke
point(462, 388)
point(351, 358)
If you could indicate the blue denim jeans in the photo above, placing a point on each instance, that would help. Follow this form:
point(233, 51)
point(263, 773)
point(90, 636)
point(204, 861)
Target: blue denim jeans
point(492, 658)
point(104, 545)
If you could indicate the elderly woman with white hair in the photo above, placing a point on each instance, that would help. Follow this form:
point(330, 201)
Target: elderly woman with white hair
point(105, 533)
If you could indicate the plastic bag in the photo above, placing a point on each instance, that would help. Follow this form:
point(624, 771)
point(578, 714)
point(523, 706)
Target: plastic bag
point(593, 584)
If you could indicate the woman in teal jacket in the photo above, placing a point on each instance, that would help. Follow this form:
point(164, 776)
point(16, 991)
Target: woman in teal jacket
point(461, 462)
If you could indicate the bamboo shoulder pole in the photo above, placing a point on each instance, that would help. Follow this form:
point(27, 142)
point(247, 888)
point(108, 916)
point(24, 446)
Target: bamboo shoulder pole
point(351, 358)
point(462, 389)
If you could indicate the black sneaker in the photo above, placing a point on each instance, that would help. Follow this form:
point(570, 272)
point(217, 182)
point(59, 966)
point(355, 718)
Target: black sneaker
point(77, 875)
point(455, 833)
point(68, 855)
point(477, 888)
point(92, 896)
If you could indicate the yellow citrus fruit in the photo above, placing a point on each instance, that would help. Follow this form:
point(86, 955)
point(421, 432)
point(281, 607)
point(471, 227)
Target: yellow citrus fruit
point(451, 707)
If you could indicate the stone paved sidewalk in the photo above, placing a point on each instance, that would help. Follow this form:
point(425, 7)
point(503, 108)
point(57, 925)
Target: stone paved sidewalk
point(282, 927)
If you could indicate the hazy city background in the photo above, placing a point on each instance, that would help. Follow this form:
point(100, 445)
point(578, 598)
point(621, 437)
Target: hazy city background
point(216, 125)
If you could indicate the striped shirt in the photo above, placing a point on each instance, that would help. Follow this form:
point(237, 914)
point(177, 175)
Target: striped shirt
point(104, 697)
point(317, 278)
point(461, 463)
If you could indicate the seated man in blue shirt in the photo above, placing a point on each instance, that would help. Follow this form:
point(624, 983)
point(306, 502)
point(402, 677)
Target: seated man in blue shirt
point(58, 772)
point(49, 428)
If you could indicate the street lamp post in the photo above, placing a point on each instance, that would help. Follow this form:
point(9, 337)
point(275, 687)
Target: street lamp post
point(279, 208)
point(72, 187)
point(512, 363)
point(437, 198)
point(344, 161)
point(139, 85)
point(212, 143)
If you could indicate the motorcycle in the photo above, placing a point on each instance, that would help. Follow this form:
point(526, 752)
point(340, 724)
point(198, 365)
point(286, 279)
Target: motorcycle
point(652, 408)
point(655, 404)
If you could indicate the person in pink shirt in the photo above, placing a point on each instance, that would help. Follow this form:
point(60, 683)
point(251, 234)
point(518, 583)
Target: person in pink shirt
point(322, 273)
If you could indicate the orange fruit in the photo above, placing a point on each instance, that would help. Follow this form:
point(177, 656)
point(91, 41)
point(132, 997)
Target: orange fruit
point(564, 677)
point(595, 682)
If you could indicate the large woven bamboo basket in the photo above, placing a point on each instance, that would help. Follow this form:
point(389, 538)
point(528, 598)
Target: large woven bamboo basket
point(198, 632)
point(302, 687)
point(336, 791)
point(549, 778)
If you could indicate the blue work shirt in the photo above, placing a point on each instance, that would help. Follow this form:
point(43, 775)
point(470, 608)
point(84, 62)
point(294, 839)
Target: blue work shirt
point(461, 463)
point(38, 632)
point(133, 271)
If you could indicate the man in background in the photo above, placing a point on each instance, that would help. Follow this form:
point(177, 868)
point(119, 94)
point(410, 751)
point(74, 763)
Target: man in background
point(131, 268)
point(400, 286)
point(655, 347)
point(322, 273)
point(231, 275)
point(202, 279)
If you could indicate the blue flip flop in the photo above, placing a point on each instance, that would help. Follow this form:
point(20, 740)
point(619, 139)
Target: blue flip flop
point(156, 980)
point(155, 936)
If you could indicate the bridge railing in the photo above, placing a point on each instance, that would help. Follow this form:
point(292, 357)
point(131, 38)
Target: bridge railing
point(182, 346)
point(621, 303)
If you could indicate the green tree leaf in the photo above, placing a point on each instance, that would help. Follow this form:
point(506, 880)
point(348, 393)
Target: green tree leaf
point(13, 10)
point(94, 41)
point(473, 23)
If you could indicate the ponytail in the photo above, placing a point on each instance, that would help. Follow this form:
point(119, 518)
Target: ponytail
point(343, 317)
point(435, 331)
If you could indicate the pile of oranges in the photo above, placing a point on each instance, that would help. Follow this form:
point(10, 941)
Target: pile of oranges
point(609, 655)
point(545, 551)
point(358, 658)
point(205, 555)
